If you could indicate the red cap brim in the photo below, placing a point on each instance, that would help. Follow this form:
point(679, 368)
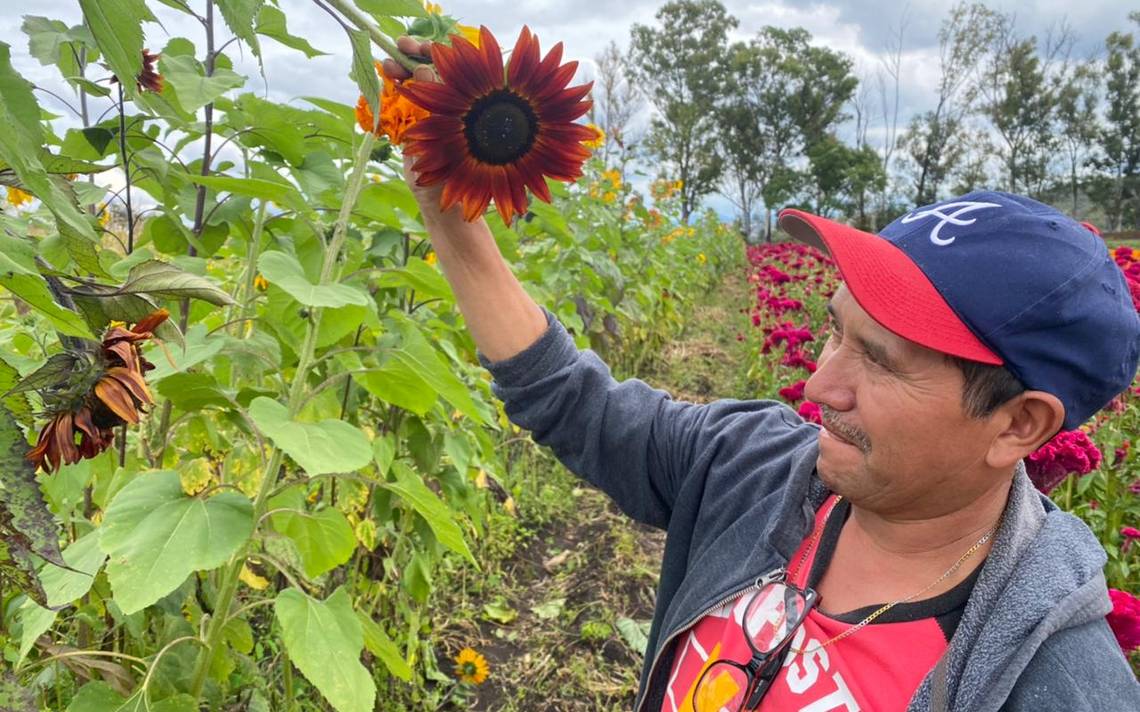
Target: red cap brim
point(889, 286)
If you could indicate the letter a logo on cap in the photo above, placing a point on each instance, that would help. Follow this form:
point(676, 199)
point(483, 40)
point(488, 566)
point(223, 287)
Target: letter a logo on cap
point(954, 217)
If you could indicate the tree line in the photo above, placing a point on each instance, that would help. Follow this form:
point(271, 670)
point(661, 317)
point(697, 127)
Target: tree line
point(776, 120)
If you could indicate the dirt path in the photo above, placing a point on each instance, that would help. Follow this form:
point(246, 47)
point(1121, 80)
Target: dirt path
point(559, 616)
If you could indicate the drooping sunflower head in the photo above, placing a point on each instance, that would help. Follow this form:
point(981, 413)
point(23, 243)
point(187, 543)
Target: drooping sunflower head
point(471, 667)
point(494, 133)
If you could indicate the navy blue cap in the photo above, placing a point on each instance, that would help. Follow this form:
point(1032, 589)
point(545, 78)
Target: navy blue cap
point(1001, 279)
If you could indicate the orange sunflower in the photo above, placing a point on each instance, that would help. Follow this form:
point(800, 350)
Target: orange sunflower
point(397, 114)
point(94, 401)
point(493, 134)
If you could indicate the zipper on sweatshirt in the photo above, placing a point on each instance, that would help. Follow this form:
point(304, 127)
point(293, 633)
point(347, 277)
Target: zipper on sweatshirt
point(777, 575)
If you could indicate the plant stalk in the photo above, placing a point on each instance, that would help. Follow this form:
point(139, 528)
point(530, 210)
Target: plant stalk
point(366, 24)
point(305, 360)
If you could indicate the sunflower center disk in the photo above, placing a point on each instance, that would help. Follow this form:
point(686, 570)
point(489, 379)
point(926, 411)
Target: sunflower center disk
point(500, 128)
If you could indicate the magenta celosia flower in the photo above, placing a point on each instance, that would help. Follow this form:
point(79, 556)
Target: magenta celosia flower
point(1069, 452)
point(1125, 619)
point(795, 358)
point(794, 392)
point(1130, 535)
point(810, 412)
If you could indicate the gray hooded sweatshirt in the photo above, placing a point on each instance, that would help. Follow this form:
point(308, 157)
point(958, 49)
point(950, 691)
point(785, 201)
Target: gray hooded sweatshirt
point(734, 485)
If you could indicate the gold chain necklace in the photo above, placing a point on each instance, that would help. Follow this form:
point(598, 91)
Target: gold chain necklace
point(880, 611)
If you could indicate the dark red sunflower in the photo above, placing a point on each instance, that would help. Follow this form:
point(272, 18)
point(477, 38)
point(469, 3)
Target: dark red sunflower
point(109, 392)
point(493, 134)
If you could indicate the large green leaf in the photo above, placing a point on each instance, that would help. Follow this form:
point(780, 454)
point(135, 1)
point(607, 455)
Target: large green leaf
point(16, 403)
point(117, 27)
point(279, 192)
point(239, 16)
point(62, 586)
point(34, 290)
point(156, 536)
point(439, 517)
point(420, 276)
point(324, 540)
point(363, 70)
point(319, 448)
point(416, 353)
point(286, 272)
point(393, 8)
point(271, 23)
point(380, 645)
point(396, 383)
point(193, 391)
point(101, 305)
point(199, 346)
point(191, 85)
point(95, 696)
point(324, 641)
point(164, 279)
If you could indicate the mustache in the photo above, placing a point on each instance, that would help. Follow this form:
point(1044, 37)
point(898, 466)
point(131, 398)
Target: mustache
point(856, 437)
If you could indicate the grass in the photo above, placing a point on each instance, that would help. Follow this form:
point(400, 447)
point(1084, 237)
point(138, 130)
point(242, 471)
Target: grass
point(568, 584)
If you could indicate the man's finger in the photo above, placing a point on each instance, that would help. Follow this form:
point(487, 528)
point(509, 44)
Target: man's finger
point(424, 73)
point(408, 45)
point(394, 71)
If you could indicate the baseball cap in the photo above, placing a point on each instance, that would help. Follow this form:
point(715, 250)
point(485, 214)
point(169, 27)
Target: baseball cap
point(1000, 279)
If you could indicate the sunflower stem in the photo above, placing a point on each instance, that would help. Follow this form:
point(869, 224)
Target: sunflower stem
point(363, 22)
point(305, 360)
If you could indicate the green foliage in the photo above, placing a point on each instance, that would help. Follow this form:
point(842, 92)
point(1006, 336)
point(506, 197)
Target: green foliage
point(324, 640)
point(155, 536)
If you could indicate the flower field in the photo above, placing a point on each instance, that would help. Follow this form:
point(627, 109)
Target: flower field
point(1092, 472)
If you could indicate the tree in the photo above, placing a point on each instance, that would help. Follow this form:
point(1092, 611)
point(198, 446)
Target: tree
point(742, 149)
point(1078, 124)
point(1019, 98)
point(1118, 189)
point(682, 66)
point(933, 141)
point(616, 100)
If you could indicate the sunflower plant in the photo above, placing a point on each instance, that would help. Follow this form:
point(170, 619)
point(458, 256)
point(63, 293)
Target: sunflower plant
point(244, 429)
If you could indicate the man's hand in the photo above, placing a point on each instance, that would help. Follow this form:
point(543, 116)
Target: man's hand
point(427, 197)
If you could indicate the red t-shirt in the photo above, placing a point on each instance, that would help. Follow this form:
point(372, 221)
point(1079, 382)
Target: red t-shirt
point(876, 669)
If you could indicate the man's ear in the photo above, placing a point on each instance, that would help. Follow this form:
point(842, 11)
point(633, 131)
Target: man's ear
point(1030, 418)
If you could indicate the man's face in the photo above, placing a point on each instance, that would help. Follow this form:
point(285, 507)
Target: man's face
point(896, 438)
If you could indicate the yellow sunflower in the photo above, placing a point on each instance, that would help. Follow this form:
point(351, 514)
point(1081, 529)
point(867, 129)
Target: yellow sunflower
point(471, 667)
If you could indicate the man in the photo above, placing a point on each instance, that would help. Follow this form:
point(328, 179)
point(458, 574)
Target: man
point(898, 557)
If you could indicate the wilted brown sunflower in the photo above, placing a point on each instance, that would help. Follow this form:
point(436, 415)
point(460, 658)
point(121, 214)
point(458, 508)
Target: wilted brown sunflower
point(92, 403)
point(493, 134)
point(148, 79)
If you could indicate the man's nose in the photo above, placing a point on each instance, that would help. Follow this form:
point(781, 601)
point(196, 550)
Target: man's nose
point(831, 384)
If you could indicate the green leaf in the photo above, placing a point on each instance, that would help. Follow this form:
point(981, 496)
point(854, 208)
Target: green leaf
point(279, 192)
point(15, 696)
point(635, 634)
point(95, 697)
point(363, 70)
point(164, 279)
point(380, 645)
point(193, 391)
point(239, 16)
point(117, 27)
point(26, 524)
point(324, 641)
point(420, 356)
point(393, 8)
point(34, 290)
point(271, 23)
point(54, 369)
point(16, 403)
point(319, 448)
point(62, 586)
point(499, 612)
point(192, 87)
point(139, 702)
point(439, 517)
point(199, 347)
point(549, 609)
point(397, 383)
point(420, 276)
point(286, 272)
point(384, 452)
point(156, 536)
point(82, 251)
point(102, 305)
point(324, 540)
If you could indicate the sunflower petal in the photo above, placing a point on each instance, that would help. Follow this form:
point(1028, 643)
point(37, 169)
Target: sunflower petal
point(492, 56)
point(134, 384)
point(116, 397)
point(524, 59)
point(150, 322)
point(436, 98)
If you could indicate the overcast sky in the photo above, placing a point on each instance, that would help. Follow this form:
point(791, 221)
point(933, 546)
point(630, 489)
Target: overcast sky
point(860, 29)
